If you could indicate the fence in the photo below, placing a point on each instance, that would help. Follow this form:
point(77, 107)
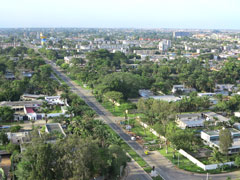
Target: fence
point(151, 130)
point(200, 164)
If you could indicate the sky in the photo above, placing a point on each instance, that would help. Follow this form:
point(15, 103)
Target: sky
point(189, 14)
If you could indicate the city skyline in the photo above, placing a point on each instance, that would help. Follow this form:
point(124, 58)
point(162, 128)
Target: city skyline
point(185, 14)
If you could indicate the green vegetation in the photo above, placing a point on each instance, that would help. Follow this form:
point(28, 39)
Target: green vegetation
point(118, 110)
point(37, 81)
point(142, 132)
point(184, 163)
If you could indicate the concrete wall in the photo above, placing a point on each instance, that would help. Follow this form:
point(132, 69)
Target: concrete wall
point(200, 164)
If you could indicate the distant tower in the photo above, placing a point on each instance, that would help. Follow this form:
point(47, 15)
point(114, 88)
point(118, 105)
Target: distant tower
point(43, 39)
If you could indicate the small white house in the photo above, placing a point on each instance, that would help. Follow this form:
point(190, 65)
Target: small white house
point(17, 137)
point(32, 115)
point(54, 100)
point(182, 88)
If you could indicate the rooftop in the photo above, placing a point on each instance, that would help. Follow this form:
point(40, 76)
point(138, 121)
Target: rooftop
point(54, 127)
point(20, 103)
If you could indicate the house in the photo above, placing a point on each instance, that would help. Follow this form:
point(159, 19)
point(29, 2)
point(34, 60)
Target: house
point(31, 97)
point(19, 105)
point(32, 115)
point(54, 127)
point(182, 88)
point(208, 94)
point(168, 98)
point(212, 139)
point(224, 87)
point(17, 137)
point(54, 100)
point(54, 130)
point(197, 119)
point(27, 74)
point(9, 76)
point(145, 93)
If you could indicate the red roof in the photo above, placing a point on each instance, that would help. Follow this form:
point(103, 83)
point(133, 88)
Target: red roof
point(29, 110)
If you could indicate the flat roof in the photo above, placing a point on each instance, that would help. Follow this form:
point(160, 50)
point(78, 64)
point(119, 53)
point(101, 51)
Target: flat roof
point(168, 98)
point(20, 103)
point(52, 127)
point(235, 144)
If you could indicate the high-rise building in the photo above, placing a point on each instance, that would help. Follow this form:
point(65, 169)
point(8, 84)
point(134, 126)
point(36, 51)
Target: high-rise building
point(164, 45)
point(179, 34)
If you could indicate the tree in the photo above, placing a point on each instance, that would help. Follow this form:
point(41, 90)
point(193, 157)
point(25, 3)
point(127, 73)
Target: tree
point(12, 147)
point(237, 161)
point(225, 140)
point(38, 162)
point(6, 114)
point(3, 138)
point(114, 96)
point(216, 156)
point(15, 128)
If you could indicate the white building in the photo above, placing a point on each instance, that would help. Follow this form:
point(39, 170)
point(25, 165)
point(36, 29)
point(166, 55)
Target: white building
point(164, 45)
point(54, 100)
point(212, 139)
point(182, 88)
point(168, 98)
point(197, 119)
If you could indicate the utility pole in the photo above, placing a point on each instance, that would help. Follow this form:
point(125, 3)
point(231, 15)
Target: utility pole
point(207, 176)
point(178, 159)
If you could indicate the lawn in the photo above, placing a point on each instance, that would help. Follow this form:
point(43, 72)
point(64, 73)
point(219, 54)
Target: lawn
point(119, 110)
point(184, 163)
point(56, 109)
point(82, 85)
point(139, 131)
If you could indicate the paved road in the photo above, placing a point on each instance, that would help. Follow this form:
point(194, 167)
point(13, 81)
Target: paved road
point(135, 172)
point(163, 167)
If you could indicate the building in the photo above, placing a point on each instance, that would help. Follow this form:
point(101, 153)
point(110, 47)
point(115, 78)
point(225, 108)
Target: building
point(9, 76)
point(206, 94)
point(54, 100)
point(197, 119)
point(168, 98)
point(224, 87)
point(182, 88)
point(164, 45)
point(212, 139)
point(53, 127)
point(180, 34)
point(31, 97)
point(145, 93)
point(17, 137)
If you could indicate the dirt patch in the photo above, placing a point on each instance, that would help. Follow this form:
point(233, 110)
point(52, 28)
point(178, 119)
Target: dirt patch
point(5, 164)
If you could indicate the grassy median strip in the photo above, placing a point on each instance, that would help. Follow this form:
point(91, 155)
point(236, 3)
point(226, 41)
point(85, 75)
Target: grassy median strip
point(132, 153)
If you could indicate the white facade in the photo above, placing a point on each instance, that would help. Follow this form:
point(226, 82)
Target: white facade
point(164, 45)
point(54, 100)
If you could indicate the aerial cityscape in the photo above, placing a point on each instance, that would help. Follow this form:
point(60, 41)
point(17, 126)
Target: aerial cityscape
point(137, 90)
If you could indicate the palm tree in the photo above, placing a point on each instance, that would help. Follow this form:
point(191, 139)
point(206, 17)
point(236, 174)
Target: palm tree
point(45, 110)
point(70, 111)
point(216, 156)
point(100, 131)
